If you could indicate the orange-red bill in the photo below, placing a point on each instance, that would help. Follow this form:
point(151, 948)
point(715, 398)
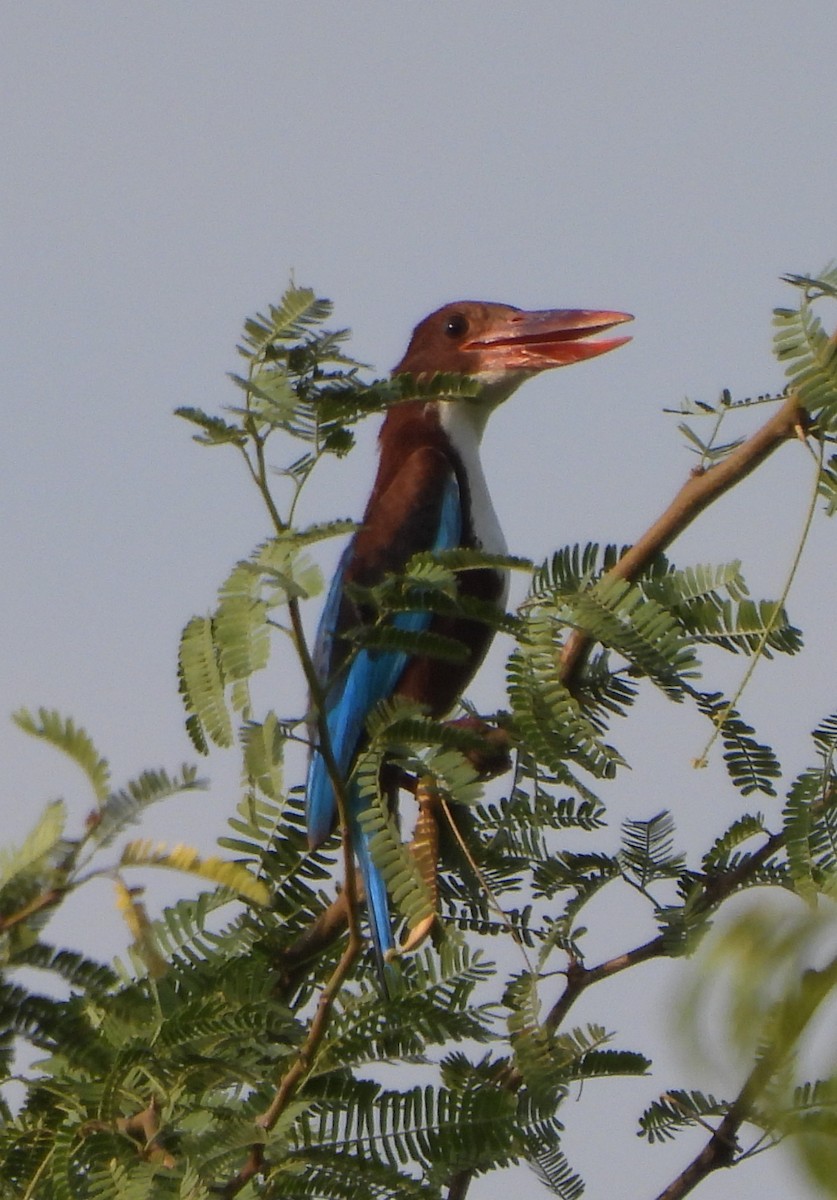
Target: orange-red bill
point(549, 338)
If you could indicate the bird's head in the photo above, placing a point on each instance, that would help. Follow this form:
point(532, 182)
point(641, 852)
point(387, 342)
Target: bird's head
point(501, 346)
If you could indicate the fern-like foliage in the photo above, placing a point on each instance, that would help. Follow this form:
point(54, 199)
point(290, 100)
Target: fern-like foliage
point(751, 765)
point(550, 721)
point(810, 354)
point(242, 1045)
point(656, 625)
point(433, 1004)
point(813, 1108)
point(298, 312)
point(678, 1110)
point(127, 805)
point(827, 486)
point(220, 653)
point(713, 605)
point(550, 1061)
point(720, 854)
point(40, 850)
point(399, 869)
point(551, 1167)
point(647, 852)
point(62, 733)
point(810, 818)
point(202, 686)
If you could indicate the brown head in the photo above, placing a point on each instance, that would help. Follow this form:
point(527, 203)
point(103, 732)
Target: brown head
point(493, 341)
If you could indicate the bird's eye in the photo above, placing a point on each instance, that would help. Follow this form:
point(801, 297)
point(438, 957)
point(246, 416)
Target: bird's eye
point(456, 325)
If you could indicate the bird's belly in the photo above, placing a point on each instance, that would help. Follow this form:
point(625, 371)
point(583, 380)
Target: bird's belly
point(436, 683)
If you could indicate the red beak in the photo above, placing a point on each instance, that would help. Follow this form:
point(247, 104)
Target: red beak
point(553, 337)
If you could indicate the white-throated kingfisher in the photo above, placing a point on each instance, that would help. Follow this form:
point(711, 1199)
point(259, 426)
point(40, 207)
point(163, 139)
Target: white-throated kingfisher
point(430, 494)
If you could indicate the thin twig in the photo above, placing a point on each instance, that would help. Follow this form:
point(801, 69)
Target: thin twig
point(315, 689)
point(773, 620)
point(299, 1069)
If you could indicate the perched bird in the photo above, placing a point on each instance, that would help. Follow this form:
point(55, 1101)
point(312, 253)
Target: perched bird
point(430, 494)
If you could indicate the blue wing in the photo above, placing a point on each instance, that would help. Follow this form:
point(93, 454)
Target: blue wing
point(372, 676)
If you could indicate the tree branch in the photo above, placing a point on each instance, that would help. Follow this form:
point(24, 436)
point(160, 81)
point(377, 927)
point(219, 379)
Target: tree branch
point(722, 1146)
point(716, 888)
point(703, 487)
point(579, 978)
point(297, 1072)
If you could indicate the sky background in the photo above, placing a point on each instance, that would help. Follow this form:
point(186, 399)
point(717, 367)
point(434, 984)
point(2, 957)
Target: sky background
point(166, 166)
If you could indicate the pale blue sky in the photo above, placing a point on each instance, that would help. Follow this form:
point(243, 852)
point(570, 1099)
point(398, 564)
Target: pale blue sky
point(164, 167)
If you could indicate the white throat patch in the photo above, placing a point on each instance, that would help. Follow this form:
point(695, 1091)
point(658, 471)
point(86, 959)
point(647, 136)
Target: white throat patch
point(464, 422)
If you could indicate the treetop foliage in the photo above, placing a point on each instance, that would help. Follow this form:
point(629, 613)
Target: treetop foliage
point(244, 1048)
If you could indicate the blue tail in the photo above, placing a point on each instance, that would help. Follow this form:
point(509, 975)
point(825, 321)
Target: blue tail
point(377, 900)
point(321, 806)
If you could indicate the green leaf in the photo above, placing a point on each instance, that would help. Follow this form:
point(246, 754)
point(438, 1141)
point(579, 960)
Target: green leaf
point(463, 559)
point(79, 972)
point(751, 765)
point(810, 354)
point(147, 853)
point(216, 432)
point(297, 311)
point(551, 1166)
point(201, 683)
point(263, 746)
point(393, 859)
point(619, 615)
point(287, 571)
point(647, 850)
point(572, 569)
point(320, 531)
point(741, 830)
point(798, 823)
point(423, 644)
point(550, 721)
point(827, 487)
point(677, 1110)
point(127, 805)
point(62, 733)
point(241, 634)
point(39, 845)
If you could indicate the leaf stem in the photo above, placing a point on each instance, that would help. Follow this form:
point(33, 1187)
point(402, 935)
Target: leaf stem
point(721, 717)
